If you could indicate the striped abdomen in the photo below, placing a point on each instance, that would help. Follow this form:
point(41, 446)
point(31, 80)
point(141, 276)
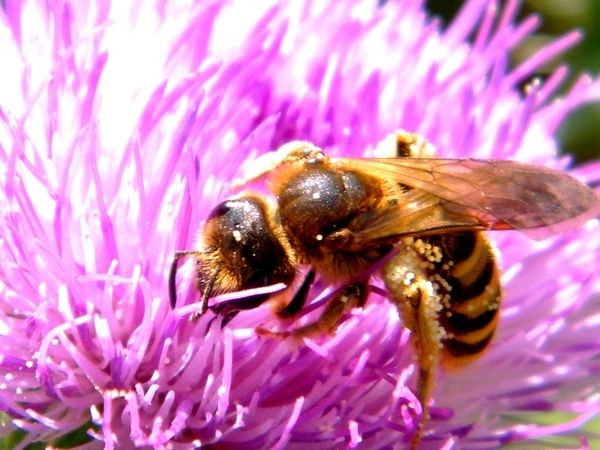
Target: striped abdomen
point(469, 276)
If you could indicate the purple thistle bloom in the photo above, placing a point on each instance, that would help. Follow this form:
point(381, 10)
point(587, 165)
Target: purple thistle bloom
point(121, 128)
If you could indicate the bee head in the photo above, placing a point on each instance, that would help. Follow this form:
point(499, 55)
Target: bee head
point(242, 246)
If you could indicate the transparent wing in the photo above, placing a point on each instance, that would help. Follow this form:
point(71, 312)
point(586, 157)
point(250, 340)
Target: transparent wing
point(417, 213)
point(450, 194)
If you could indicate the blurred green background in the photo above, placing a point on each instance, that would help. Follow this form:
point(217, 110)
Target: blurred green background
point(580, 134)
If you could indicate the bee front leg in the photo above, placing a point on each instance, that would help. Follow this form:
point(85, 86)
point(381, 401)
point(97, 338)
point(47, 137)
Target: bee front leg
point(294, 306)
point(353, 296)
point(230, 308)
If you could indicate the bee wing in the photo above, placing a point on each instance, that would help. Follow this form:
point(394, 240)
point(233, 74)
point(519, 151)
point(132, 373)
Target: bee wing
point(416, 213)
point(465, 194)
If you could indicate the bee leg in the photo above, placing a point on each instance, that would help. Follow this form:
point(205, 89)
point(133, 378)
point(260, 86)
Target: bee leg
point(293, 307)
point(353, 296)
point(419, 308)
point(225, 319)
point(230, 308)
point(413, 145)
point(404, 144)
point(425, 383)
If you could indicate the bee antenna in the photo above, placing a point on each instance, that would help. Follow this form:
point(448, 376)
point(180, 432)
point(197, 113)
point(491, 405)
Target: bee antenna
point(173, 274)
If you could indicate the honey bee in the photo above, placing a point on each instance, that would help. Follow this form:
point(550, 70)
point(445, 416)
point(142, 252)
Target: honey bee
point(421, 221)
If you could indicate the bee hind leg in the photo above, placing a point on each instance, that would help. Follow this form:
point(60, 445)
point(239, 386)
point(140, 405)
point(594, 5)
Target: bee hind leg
point(419, 307)
point(353, 296)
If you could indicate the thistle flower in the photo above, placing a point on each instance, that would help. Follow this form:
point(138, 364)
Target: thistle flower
point(121, 125)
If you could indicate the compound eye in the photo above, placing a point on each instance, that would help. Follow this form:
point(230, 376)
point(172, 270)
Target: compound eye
point(236, 219)
point(222, 209)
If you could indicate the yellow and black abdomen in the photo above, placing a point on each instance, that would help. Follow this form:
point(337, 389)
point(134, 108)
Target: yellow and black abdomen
point(470, 283)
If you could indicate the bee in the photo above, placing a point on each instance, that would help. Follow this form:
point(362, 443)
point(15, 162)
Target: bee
point(416, 220)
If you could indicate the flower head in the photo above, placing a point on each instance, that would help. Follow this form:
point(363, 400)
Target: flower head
point(122, 126)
